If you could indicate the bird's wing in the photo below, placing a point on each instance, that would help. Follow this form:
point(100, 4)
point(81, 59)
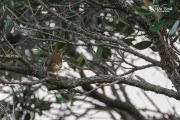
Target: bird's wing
point(51, 59)
point(48, 61)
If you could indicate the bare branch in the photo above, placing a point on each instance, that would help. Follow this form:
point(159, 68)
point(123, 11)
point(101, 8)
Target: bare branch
point(113, 79)
point(22, 70)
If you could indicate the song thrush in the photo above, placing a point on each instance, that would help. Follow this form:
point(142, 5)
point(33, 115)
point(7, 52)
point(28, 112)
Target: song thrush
point(53, 62)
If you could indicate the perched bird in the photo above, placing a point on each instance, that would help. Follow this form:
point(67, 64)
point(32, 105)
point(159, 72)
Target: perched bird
point(53, 62)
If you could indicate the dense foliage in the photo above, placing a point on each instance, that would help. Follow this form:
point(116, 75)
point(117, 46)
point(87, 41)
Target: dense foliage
point(102, 41)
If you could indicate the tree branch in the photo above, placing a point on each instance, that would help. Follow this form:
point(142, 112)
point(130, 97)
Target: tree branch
point(168, 57)
point(22, 70)
point(71, 83)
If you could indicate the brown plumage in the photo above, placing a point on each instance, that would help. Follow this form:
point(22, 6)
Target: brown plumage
point(54, 62)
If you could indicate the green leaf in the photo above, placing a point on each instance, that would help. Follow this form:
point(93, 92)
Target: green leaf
point(5, 1)
point(99, 51)
point(35, 6)
point(157, 27)
point(169, 22)
point(66, 96)
point(15, 97)
point(174, 28)
point(153, 48)
point(60, 45)
point(81, 60)
point(28, 92)
point(60, 100)
point(40, 104)
point(73, 62)
point(59, 23)
point(128, 41)
point(106, 52)
point(43, 55)
point(9, 25)
point(123, 28)
point(142, 45)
